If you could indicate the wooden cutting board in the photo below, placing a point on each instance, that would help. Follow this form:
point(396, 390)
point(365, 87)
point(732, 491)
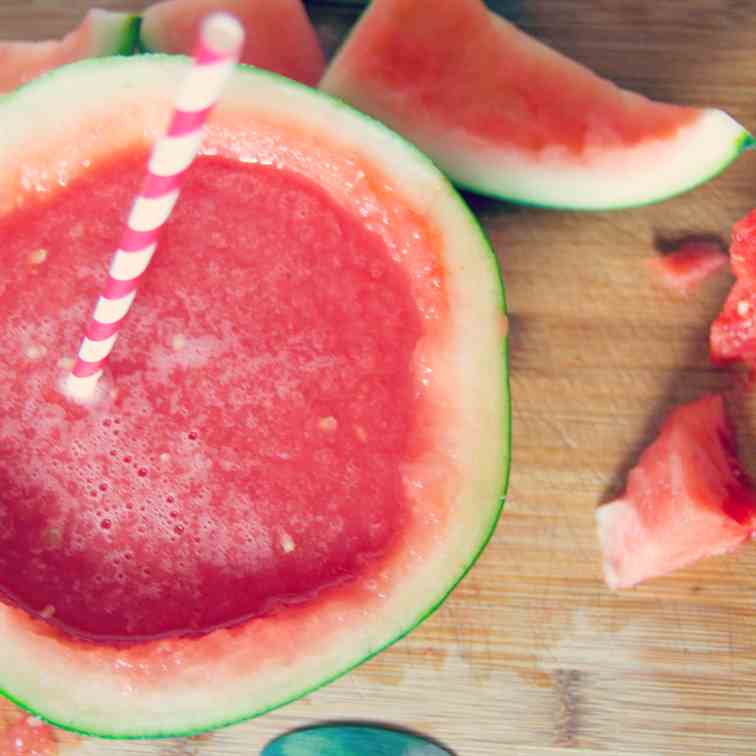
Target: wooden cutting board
point(532, 655)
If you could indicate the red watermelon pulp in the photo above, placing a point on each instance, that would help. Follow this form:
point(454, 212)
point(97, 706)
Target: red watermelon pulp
point(505, 115)
point(687, 498)
point(733, 333)
point(303, 440)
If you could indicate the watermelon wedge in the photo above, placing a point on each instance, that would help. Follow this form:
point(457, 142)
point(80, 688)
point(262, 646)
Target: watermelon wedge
point(688, 498)
point(101, 33)
point(343, 415)
point(732, 336)
point(280, 37)
point(506, 116)
point(687, 266)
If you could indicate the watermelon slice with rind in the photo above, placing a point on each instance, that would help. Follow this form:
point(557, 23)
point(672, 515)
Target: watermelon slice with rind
point(504, 115)
point(455, 474)
point(688, 498)
point(101, 33)
point(279, 35)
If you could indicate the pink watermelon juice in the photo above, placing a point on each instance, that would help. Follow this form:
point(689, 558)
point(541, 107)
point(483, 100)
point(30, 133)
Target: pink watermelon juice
point(245, 451)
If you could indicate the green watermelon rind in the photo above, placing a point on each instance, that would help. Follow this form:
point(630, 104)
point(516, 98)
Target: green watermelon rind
point(505, 421)
point(130, 40)
point(118, 35)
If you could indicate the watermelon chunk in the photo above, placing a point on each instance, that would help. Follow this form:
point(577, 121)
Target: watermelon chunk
point(733, 334)
point(691, 263)
point(687, 498)
point(100, 33)
point(506, 116)
point(445, 453)
point(279, 35)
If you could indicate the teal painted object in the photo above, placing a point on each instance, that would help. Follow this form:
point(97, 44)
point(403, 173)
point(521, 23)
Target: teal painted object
point(351, 740)
point(510, 9)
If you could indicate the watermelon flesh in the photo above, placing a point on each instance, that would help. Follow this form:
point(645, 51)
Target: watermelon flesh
point(279, 35)
point(312, 390)
point(690, 264)
point(100, 33)
point(733, 334)
point(505, 115)
point(688, 498)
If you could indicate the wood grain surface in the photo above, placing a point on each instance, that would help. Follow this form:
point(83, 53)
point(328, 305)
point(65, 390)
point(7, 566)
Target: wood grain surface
point(532, 655)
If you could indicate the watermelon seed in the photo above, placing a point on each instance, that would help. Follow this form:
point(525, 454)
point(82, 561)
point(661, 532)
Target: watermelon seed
point(328, 424)
point(38, 256)
point(35, 352)
point(287, 543)
point(743, 308)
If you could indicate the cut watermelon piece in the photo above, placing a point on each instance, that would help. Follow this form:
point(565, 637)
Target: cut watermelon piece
point(733, 334)
point(279, 35)
point(688, 498)
point(691, 263)
point(450, 469)
point(506, 116)
point(101, 33)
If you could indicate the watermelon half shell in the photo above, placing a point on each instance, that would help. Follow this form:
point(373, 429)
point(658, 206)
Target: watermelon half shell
point(177, 686)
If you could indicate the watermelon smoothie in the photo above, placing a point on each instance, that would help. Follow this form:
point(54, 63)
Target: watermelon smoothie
point(244, 451)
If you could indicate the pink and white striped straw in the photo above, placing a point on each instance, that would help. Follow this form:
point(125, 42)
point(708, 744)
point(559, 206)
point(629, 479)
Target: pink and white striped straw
point(217, 51)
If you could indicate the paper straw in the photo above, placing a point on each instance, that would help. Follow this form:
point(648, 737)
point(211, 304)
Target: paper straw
point(217, 51)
